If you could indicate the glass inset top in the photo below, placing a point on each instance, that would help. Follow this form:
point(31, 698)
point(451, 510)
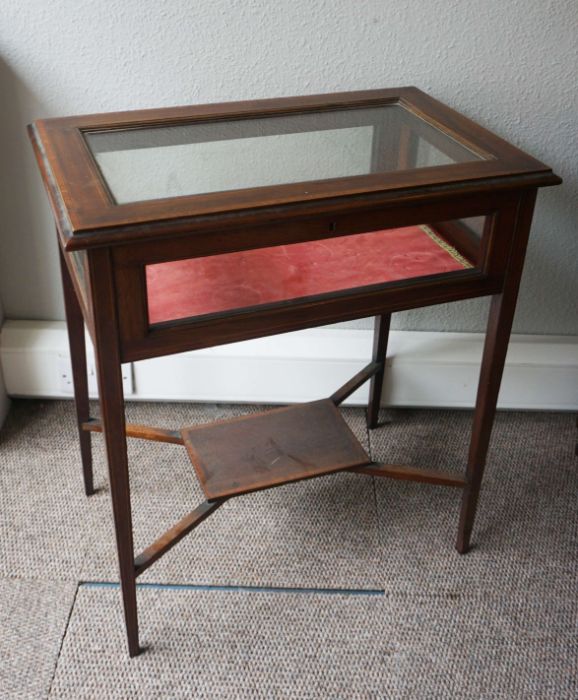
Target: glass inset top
point(159, 162)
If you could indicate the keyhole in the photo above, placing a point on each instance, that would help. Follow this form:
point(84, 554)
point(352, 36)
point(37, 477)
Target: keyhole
point(332, 226)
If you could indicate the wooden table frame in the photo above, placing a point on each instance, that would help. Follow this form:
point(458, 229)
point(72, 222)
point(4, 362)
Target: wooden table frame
point(104, 248)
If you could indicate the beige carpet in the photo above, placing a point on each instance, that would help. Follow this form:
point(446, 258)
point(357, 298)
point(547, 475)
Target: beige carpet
point(526, 533)
point(415, 619)
point(33, 619)
point(210, 644)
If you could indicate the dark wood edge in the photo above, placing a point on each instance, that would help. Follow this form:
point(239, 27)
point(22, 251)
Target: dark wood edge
point(342, 218)
point(355, 382)
point(313, 198)
point(63, 225)
point(159, 228)
point(133, 430)
point(229, 110)
point(174, 535)
point(409, 473)
point(282, 481)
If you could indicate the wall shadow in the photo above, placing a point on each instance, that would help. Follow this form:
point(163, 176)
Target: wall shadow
point(29, 279)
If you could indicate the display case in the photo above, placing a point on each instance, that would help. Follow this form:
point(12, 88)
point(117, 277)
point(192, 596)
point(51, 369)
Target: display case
point(191, 227)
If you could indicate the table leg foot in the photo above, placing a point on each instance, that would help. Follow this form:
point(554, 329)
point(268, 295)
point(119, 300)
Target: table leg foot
point(463, 543)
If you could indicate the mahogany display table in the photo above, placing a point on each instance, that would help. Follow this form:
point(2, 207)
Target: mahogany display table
point(190, 227)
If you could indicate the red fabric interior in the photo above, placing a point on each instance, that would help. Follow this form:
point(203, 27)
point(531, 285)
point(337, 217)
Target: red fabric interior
point(197, 286)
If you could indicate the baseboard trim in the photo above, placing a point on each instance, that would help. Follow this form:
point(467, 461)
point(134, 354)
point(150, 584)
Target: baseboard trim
point(424, 369)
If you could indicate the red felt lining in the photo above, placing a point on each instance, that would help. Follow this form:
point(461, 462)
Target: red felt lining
point(198, 286)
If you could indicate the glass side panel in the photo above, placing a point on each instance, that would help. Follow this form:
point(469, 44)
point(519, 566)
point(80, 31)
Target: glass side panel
point(79, 263)
point(78, 258)
point(232, 281)
point(197, 158)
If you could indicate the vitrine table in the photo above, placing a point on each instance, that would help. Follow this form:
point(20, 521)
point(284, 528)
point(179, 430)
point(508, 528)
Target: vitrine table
point(190, 227)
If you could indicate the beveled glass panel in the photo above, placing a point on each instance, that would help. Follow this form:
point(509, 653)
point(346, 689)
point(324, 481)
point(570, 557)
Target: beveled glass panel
point(232, 281)
point(147, 163)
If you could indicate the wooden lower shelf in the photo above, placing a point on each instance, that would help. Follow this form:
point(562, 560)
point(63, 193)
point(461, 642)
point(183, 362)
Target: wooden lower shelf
point(260, 451)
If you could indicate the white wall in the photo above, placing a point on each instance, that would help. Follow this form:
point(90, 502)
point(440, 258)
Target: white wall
point(509, 65)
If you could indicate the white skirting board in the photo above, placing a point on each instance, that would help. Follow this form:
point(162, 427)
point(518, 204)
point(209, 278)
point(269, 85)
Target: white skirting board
point(423, 368)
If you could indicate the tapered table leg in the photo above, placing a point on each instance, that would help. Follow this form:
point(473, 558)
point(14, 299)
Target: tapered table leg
point(494, 356)
point(107, 349)
point(380, 338)
point(77, 344)
point(500, 321)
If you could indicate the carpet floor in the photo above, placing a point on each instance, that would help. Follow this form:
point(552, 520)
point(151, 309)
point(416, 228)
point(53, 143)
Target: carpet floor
point(340, 587)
